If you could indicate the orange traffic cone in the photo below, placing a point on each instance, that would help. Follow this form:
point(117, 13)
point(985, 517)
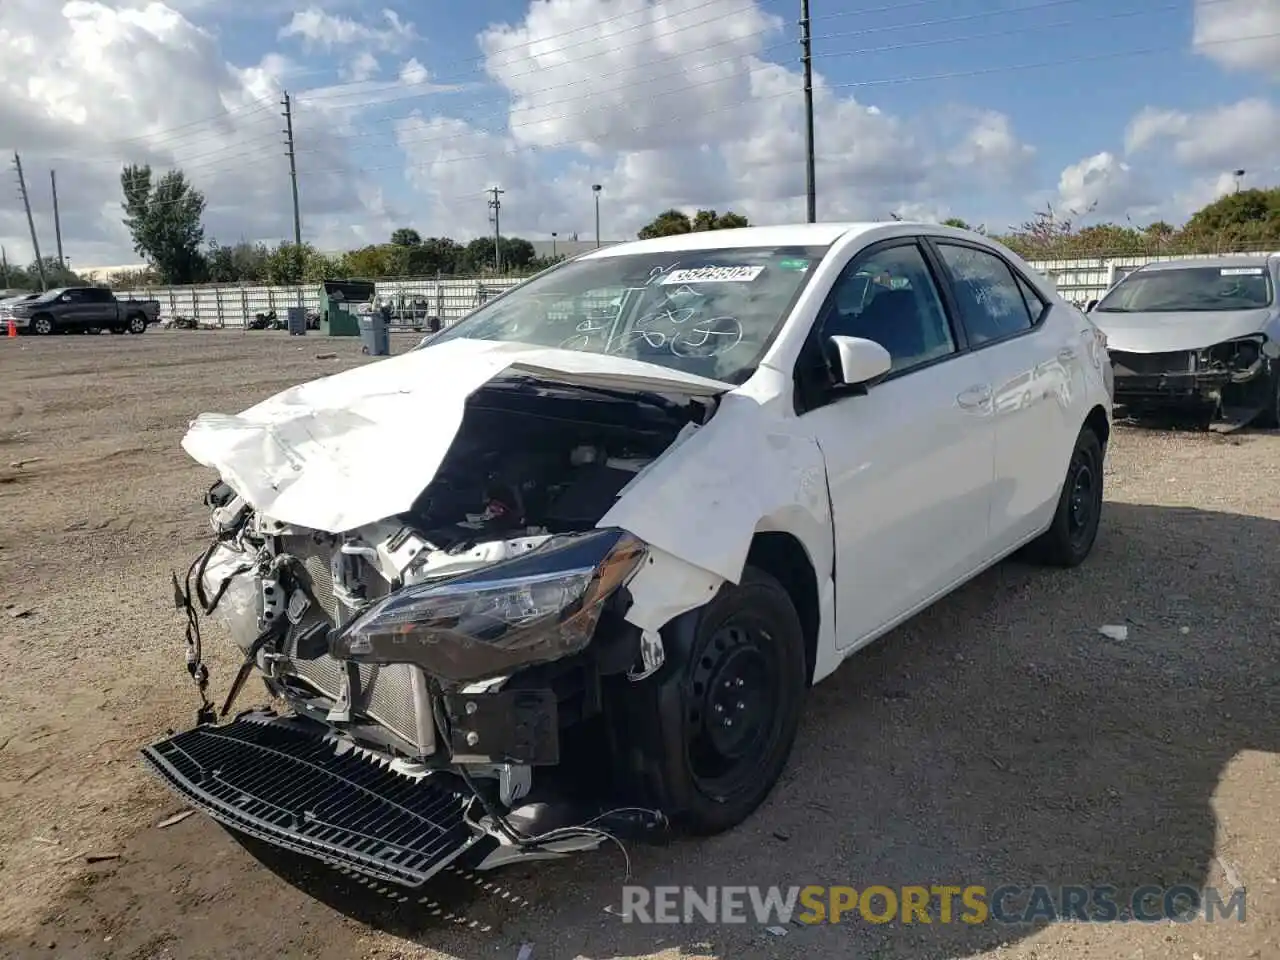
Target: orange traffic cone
point(13, 328)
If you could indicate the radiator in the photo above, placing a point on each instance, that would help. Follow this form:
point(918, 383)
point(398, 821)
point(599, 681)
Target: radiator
point(395, 695)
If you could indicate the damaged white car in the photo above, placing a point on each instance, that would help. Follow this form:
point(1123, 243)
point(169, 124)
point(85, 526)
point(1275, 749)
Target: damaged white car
point(1197, 336)
point(567, 568)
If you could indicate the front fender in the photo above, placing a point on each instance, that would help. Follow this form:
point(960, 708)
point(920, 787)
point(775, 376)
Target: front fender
point(700, 505)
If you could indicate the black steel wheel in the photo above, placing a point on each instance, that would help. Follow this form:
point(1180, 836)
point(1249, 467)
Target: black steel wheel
point(711, 732)
point(1070, 538)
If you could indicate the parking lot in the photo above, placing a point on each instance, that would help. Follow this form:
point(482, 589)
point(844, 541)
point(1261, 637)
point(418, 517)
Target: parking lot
point(997, 738)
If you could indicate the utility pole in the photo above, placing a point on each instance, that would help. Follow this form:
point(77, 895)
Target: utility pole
point(57, 221)
point(26, 202)
point(806, 57)
point(4, 265)
point(287, 103)
point(496, 206)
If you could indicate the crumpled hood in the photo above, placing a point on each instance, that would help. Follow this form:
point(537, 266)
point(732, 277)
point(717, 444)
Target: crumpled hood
point(1167, 332)
point(343, 451)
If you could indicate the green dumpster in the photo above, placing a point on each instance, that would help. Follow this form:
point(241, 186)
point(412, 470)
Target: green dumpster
point(340, 303)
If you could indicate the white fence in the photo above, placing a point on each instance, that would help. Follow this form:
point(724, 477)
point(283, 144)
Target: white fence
point(1088, 278)
point(234, 305)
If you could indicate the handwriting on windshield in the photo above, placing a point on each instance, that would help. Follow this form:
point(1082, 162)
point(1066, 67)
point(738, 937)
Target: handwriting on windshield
point(683, 333)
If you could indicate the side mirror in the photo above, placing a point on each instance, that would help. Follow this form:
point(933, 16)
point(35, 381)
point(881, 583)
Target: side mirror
point(861, 361)
point(1088, 307)
point(65, 298)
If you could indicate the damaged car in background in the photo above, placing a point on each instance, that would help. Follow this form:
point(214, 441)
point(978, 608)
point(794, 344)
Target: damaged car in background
point(563, 572)
point(1197, 337)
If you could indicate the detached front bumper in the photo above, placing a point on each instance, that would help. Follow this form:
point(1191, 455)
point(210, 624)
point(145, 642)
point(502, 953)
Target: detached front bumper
point(280, 782)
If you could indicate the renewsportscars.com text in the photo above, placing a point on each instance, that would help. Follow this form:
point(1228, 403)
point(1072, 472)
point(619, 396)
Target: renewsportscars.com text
point(943, 904)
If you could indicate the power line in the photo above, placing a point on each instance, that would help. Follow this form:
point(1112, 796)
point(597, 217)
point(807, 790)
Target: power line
point(221, 155)
point(851, 84)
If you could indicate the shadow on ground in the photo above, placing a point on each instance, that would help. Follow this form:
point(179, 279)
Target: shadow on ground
point(996, 739)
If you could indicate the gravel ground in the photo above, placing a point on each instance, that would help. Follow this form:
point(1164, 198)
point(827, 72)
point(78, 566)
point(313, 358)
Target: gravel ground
point(997, 738)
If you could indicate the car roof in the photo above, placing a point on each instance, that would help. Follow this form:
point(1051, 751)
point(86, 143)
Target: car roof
point(784, 235)
point(1233, 260)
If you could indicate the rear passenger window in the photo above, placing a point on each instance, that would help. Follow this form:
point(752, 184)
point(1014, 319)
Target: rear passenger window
point(1035, 303)
point(992, 302)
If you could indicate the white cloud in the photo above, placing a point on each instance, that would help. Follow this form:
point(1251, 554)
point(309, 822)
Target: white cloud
point(325, 31)
point(1244, 135)
point(363, 66)
point(1239, 34)
point(91, 86)
point(1102, 187)
point(671, 102)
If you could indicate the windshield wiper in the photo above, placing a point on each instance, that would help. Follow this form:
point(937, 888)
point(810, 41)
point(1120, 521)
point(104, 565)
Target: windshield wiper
point(616, 393)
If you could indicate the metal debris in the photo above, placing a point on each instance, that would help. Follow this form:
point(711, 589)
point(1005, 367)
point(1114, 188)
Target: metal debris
point(777, 931)
point(19, 464)
point(100, 857)
point(526, 952)
point(1114, 631)
point(176, 818)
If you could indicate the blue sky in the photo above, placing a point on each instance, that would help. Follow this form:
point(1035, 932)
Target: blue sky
point(922, 109)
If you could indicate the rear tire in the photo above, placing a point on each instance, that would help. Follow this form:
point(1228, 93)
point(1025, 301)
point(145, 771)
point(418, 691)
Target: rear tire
point(136, 324)
point(710, 734)
point(1070, 538)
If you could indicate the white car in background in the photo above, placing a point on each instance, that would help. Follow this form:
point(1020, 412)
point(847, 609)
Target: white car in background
point(616, 521)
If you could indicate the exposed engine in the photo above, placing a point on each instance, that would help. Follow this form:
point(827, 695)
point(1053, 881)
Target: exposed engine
point(530, 461)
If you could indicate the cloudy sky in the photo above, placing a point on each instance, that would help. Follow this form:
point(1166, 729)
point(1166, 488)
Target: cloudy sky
point(407, 110)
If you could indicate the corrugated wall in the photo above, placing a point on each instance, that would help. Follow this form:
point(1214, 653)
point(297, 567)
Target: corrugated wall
point(231, 305)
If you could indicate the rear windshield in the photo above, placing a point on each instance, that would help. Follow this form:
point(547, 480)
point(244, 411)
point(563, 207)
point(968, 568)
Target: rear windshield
point(1191, 289)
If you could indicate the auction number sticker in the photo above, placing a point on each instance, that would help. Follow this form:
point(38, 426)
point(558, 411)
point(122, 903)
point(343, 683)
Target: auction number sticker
point(1240, 272)
point(713, 275)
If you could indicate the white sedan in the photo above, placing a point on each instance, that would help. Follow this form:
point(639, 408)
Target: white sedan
point(616, 521)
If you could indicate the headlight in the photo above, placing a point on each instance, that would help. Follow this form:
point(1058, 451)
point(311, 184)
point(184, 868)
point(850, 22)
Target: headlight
point(541, 606)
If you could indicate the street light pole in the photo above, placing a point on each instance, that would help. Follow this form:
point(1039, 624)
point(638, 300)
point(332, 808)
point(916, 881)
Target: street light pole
point(596, 188)
point(553, 244)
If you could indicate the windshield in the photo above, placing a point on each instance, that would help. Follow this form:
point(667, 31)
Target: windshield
point(1190, 289)
point(709, 312)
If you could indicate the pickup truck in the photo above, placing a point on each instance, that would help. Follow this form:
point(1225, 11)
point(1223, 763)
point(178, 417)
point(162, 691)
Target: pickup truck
point(84, 310)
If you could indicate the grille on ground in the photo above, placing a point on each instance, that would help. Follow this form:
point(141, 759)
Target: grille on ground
point(283, 785)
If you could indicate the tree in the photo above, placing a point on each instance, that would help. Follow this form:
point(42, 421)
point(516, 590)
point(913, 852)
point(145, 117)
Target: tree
point(164, 219)
point(673, 222)
point(245, 262)
point(431, 256)
point(406, 237)
point(477, 256)
point(289, 264)
point(1244, 217)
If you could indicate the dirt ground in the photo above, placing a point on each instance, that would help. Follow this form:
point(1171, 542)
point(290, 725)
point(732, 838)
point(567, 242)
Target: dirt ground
point(997, 738)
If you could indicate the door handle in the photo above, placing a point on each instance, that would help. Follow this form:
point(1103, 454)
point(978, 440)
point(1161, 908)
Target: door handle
point(1067, 354)
point(975, 396)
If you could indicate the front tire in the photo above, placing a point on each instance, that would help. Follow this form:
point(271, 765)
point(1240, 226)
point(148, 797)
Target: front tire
point(714, 729)
point(42, 325)
point(1070, 538)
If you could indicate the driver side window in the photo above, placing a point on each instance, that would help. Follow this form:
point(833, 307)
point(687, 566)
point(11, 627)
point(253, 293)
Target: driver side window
point(889, 296)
